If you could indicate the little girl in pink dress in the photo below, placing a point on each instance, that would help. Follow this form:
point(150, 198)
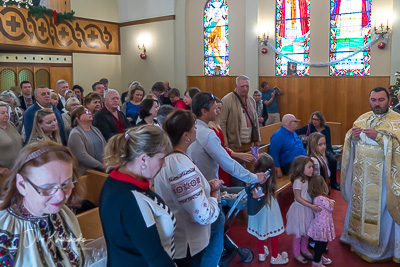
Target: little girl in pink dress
point(321, 228)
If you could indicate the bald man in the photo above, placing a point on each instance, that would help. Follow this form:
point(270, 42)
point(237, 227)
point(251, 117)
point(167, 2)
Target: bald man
point(286, 145)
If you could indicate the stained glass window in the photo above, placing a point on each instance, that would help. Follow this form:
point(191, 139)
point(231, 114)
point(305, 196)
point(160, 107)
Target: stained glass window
point(292, 37)
point(216, 38)
point(350, 31)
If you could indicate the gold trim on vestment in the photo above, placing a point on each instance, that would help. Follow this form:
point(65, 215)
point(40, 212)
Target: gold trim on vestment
point(368, 259)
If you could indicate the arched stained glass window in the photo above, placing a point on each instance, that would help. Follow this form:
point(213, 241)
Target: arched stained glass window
point(292, 37)
point(350, 31)
point(216, 38)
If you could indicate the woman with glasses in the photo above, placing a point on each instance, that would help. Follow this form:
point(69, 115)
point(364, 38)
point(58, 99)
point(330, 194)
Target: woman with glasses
point(138, 226)
point(45, 127)
point(318, 124)
point(38, 227)
point(86, 141)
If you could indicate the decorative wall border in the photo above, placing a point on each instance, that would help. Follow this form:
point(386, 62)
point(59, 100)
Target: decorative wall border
point(81, 35)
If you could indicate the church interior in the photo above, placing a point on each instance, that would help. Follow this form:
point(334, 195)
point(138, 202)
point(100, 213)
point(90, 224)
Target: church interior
point(82, 41)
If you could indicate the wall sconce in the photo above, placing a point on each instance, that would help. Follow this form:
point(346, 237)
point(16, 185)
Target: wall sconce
point(263, 39)
point(384, 32)
point(143, 50)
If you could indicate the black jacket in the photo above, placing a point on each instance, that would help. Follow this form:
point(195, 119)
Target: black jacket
point(104, 121)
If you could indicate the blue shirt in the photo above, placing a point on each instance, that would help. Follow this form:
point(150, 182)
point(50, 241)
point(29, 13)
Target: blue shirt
point(208, 154)
point(273, 107)
point(285, 147)
point(132, 111)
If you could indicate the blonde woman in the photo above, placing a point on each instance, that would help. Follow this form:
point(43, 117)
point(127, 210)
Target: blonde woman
point(45, 127)
point(71, 104)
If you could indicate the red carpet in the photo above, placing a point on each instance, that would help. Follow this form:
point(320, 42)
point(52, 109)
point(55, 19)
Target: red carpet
point(338, 252)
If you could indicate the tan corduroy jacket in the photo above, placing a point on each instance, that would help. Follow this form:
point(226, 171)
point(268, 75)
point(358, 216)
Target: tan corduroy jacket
point(231, 118)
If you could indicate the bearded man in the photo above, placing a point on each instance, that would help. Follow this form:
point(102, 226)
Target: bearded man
point(371, 182)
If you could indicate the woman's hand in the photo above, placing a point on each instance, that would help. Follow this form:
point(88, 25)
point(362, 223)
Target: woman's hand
point(247, 157)
point(215, 184)
point(254, 194)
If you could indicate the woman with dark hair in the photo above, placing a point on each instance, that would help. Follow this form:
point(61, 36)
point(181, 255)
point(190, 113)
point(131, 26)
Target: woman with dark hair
point(86, 141)
point(189, 94)
point(318, 124)
point(148, 111)
point(131, 107)
point(195, 207)
point(34, 218)
point(45, 127)
point(138, 226)
point(78, 90)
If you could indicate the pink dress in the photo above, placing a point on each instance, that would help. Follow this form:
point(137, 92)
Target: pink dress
point(321, 227)
point(299, 216)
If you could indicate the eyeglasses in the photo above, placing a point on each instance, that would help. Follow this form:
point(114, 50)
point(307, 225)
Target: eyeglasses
point(315, 119)
point(88, 112)
point(51, 190)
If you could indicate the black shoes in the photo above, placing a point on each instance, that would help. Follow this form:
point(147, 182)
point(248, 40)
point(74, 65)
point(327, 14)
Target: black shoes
point(336, 186)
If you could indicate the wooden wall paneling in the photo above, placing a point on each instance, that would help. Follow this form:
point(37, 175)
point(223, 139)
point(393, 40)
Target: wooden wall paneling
point(59, 5)
point(58, 73)
point(341, 99)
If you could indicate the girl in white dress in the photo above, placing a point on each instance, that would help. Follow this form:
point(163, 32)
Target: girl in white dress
point(268, 221)
point(300, 213)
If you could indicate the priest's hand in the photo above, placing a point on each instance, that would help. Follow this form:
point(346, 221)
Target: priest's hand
point(356, 131)
point(371, 133)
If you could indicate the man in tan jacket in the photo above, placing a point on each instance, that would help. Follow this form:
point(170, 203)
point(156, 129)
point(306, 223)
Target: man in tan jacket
point(236, 123)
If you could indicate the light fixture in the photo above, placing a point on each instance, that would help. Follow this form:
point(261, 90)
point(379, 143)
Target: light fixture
point(383, 31)
point(263, 39)
point(143, 50)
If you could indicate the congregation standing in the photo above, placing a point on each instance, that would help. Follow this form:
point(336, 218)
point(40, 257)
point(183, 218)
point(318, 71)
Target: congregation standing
point(184, 148)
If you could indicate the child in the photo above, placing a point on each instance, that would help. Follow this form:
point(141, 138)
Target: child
point(316, 150)
point(268, 221)
point(300, 212)
point(321, 227)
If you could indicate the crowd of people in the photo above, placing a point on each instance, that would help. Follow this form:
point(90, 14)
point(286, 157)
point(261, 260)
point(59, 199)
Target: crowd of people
point(168, 160)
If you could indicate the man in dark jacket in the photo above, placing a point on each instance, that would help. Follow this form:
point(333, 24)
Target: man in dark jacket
point(109, 120)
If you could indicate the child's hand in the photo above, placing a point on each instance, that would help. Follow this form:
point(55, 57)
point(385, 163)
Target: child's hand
point(331, 203)
point(316, 209)
point(254, 194)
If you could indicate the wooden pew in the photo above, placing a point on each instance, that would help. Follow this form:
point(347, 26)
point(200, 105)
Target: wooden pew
point(336, 133)
point(90, 224)
point(267, 131)
point(89, 221)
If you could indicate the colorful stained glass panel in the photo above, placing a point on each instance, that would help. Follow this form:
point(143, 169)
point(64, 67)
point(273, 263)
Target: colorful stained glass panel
point(292, 37)
point(350, 30)
point(216, 38)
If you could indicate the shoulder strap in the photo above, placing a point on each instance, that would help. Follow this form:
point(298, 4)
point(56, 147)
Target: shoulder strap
point(245, 109)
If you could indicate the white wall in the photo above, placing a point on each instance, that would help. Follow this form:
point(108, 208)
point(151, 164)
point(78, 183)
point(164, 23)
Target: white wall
point(160, 63)
point(96, 9)
point(137, 9)
point(90, 68)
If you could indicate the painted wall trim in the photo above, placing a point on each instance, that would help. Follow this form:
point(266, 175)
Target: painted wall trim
point(145, 21)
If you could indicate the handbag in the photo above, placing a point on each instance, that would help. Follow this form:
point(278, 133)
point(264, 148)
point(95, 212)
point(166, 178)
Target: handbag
point(255, 136)
point(304, 137)
point(254, 205)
